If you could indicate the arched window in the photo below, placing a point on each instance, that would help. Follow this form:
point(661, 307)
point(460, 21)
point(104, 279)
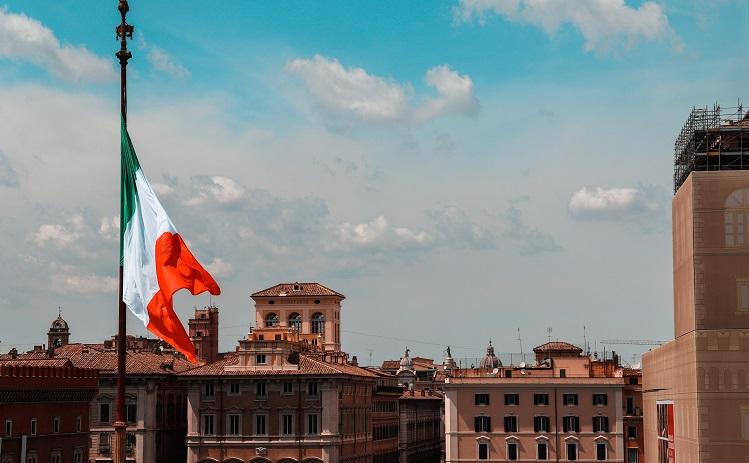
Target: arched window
point(295, 322)
point(318, 323)
point(737, 219)
point(271, 320)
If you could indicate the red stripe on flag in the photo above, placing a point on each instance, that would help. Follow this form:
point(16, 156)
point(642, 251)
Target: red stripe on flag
point(176, 268)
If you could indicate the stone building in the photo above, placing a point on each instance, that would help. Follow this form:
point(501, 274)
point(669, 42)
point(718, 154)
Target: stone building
point(421, 426)
point(696, 392)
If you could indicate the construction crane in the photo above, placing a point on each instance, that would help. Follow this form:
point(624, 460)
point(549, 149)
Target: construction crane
point(636, 342)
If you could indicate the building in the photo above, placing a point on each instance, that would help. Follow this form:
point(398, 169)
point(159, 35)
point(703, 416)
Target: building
point(289, 393)
point(421, 426)
point(386, 419)
point(44, 410)
point(566, 406)
point(203, 331)
point(415, 372)
point(696, 394)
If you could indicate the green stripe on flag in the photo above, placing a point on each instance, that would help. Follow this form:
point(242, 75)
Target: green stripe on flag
point(128, 193)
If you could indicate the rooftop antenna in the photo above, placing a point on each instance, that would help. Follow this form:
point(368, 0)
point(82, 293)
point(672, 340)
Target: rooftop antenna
point(520, 341)
point(585, 342)
point(59, 311)
point(370, 356)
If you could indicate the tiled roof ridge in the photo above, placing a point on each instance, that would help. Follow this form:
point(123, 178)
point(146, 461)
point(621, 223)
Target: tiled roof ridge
point(325, 291)
point(557, 346)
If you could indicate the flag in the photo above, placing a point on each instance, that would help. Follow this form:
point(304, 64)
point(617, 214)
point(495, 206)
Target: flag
point(155, 260)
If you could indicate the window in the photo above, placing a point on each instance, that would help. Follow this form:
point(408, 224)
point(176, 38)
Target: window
point(271, 320)
point(742, 294)
point(277, 337)
point(104, 442)
point(511, 424)
point(8, 428)
point(571, 424)
point(260, 359)
point(55, 457)
point(541, 424)
point(234, 424)
point(260, 428)
point(562, 373)
point(208, 425)
point(312, 424)
point(32, 458)
point(482, 424)
point(512, 450)
point(633, 380)
point(209, 391)
point(312, 389)
point(56, 424)
point(104, 412)
point(570, 399)
point(234, 388)
point(600, 451)
point(287, 424)
point(571, 451)
point(318, 323)
point(481, 399)
point(78, 424)
point(512, 399)
point(600, 424)
point(483, 451)
point(600, 399)
point(632, 455)
point(288, 388)
point(295, 322)
point(630, 406)
point(77, 456)
point(260, 391)
point(541, 399)
point(130, 441)
point(33, 427)
point(508, 373)
point(542, 452)
point(737, 219)
point(631, 432)
point(131, 413)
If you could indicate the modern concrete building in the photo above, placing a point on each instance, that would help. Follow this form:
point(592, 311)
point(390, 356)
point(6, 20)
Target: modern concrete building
point(696, 394)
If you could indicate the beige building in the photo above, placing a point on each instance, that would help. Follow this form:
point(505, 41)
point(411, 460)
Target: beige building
point(696, 395)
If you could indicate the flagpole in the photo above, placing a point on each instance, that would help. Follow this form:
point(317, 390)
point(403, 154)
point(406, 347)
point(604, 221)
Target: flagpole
point(124, 31)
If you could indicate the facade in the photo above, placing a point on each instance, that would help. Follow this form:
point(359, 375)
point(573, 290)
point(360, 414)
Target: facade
point(696, 394)
point(203, 332)
point(386, 419)
point(44, 410)
point(566, 407)
point(421, 427)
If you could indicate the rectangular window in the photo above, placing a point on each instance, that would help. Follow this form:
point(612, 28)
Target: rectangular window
point(8, 428)
point(234, 425)
point(508, 373)
point(234, 388)
point(742, 291)
point(542, 451)
point(511, 424)
point(600, 451)
point(512, 451)
point(481, 399)
point(571, 424)
point(208, 425)
point(260, 428)
point(104, 412)
point(288, 388)
point(54, 458)
point(208, 391)
point(631, 432)
point(77, 456)
point(78, 423)
point(630, 406)
point(33, 427)
point(633, 380)
point(482, 424)
point(312, 424)
point(260, 391)
point(32, 459)
point(260, 359)
point(131, 412)
point(541, 424)
point(56, 425)
point(600, 399)
point(600, 424)
point(483, 451)
point(312, 389)
point(104, 442)
point(632, 455)
point(130, 441)
point(287, 424)
point(569, 399)
point(541, 399)
point(571, 451)
point(512, 399)
point(562, 373)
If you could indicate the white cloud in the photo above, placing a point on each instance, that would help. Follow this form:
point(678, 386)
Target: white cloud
point(163, 62)
point(455, 227)
point(604, 24)
point(220, 268)
point(220, 189)
point(109, 227)
point(26, 39)
point(88, 284)
point(379, 234)
point(527, 239)
point(54, 233)
point(373, 98)
point(643, 202)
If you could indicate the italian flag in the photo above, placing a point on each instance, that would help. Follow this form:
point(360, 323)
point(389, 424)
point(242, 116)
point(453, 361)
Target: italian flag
point(155, 260)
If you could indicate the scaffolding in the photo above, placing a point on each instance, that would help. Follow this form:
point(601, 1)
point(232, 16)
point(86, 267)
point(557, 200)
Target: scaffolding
point(712, 139)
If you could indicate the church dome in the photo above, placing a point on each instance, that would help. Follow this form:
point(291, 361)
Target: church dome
point(59, 324)
point(490, 361)
point(406, 362)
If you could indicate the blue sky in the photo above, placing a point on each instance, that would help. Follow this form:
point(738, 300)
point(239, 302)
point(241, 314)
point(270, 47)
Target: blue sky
point(457, 169)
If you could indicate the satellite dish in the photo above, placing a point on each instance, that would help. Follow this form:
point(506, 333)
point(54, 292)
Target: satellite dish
point(495, 371)
point(522, 365)
point(522, 372)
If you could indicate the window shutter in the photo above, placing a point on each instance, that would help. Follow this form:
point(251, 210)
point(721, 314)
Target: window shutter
point(565, 424)
point(605, 424)
point(605, 399)
point(507, 399)
point(475, 399)
point(488, 424)
point(577, 424)
point(476, 423)
point(536, 423)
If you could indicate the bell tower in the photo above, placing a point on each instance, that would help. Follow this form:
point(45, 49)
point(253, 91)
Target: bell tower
point(59, 332)
point(204, 333)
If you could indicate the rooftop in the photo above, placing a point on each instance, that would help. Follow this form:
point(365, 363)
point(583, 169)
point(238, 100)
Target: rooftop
point(297, 289)
point(308, 365)
point(557, 346)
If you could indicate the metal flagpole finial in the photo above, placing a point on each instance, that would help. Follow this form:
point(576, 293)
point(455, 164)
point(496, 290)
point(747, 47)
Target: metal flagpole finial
point(123, 32)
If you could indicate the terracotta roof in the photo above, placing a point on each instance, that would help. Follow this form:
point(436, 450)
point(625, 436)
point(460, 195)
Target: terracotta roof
point(556, 346)
point(307, 366)
point(46, 362)
point(304, 289)
point(391, 364)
